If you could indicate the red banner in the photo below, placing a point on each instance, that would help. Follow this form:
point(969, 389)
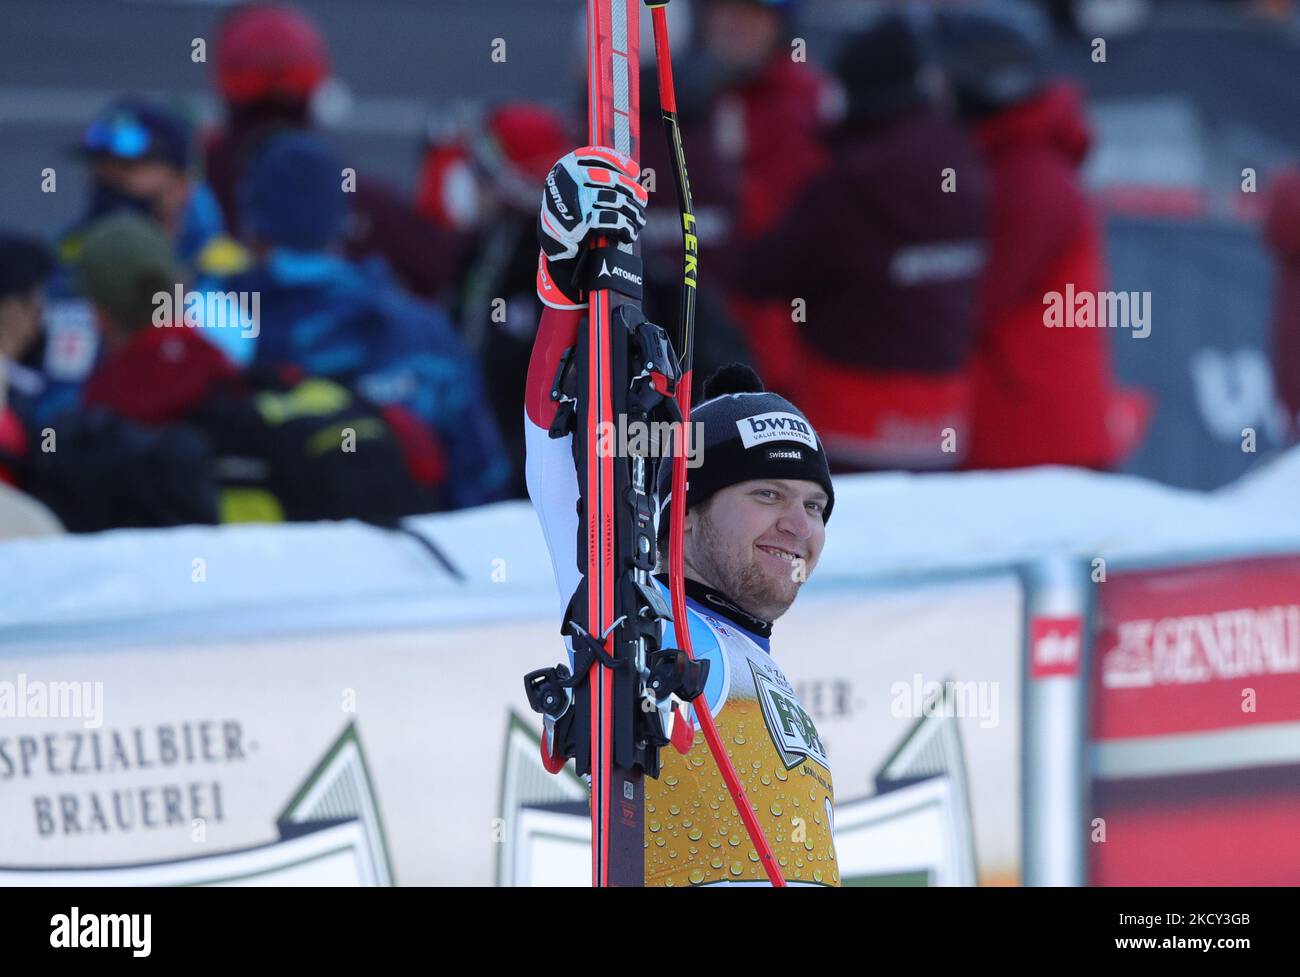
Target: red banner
point(1199, 648)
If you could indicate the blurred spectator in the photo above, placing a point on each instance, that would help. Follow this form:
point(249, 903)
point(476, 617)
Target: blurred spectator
point(25, 266)
point(270, 60)
point(1041, 396)
point(771, 109)
point(140, 158)
point(352, 322)
point(885, 248)
point(106, 470)
point(170, 434)
point(753, 120)
point(1282, 231)
point(486, 184)
point(151, 375)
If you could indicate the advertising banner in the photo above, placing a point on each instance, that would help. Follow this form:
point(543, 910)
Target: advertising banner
point(147, 760)
point(1196, 725)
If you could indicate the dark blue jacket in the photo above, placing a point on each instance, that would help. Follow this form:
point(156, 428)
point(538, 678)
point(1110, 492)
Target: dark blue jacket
point(353, 323)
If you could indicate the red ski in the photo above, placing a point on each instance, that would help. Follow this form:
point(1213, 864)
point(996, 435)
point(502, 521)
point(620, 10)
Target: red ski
point(625, 698)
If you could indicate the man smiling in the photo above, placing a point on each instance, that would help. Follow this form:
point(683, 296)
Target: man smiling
point(757, 505)
point(756, 509)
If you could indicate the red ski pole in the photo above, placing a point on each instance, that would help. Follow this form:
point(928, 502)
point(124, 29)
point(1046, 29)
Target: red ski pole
point(677, 518)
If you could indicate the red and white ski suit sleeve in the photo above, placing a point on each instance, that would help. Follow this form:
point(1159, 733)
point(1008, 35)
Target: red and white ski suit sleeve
point(549, 469)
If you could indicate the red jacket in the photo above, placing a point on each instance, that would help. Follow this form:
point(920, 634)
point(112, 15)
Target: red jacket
point(159, 376)
point(784, 120)
point(784, 111)
point(751, 148)
point(1043, 396)
point(888, 264)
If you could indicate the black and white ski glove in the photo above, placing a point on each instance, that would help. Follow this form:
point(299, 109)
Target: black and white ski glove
point(591, 190)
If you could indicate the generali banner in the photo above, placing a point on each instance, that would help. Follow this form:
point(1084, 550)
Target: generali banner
point(1193, 648)
point(1196, 726)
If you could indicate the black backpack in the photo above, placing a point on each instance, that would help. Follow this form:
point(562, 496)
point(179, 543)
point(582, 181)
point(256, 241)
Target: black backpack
point(305, 449)
point(274, 448)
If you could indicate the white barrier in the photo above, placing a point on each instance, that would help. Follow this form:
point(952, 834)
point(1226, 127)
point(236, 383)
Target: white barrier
point(238, 665)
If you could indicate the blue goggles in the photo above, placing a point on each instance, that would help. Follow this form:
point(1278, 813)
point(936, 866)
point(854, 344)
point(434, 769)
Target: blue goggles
point(122, 135)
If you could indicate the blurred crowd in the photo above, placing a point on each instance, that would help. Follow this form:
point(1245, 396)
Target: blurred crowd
point(240, 327)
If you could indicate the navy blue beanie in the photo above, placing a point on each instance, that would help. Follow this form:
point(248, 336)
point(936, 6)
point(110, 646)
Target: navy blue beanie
point(132, 128)
point(292, 194)
point(24, 263)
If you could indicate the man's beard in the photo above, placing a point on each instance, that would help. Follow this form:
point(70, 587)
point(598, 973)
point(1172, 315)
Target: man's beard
point(746, 585)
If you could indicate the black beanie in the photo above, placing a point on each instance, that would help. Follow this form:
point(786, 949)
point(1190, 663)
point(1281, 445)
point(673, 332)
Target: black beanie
point(992, 59)
point(24, 263)
point(749, 433)
point(882, 69)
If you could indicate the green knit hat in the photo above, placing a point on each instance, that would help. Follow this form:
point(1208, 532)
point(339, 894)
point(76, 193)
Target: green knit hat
point(125, 260)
